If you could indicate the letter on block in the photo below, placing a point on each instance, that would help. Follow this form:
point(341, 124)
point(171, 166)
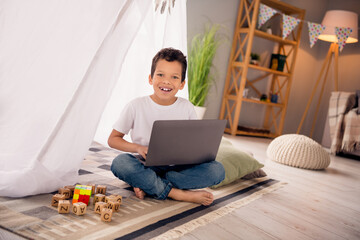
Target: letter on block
point(79, 208)
point(66, 192)
point(106, 215)
point(114, 206)
point(55, 199)
point(110, 198)
point(99, 198)
point(101, 189)
point(64, 206)
point(118, 198)
point(72, 188)
point(99, 206)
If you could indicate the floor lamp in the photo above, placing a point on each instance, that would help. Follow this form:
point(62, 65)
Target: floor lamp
point(332, 19)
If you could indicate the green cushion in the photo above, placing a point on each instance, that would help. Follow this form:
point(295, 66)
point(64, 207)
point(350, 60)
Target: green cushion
point(237, 163)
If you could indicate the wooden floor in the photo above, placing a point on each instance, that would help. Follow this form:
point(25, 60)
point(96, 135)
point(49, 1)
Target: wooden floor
point(312, 205)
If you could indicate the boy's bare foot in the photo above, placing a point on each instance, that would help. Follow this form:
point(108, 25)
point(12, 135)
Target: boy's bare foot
point(139, 193)
point(202, 197)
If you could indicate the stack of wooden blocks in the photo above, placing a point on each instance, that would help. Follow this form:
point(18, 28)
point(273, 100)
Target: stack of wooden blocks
point(81, 197)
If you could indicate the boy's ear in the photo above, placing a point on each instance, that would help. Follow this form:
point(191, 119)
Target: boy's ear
point(182, 85)
point(150, 79)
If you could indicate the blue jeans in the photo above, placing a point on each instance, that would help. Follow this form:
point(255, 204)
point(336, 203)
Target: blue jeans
point(158, 181)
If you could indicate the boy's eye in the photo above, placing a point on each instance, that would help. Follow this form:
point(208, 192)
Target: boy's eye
point(175, 77)
point(160, 74)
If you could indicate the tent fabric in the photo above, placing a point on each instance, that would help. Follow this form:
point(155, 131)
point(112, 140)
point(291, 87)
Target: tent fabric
point(60, 61)
point(156, 32)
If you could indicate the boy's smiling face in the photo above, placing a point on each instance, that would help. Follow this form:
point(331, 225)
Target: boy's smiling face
point(166, 82)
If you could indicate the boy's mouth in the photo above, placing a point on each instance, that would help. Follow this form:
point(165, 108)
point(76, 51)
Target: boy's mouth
point(165, 89)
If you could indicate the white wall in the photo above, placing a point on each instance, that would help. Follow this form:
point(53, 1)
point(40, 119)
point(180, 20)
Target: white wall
point(308, 62)
point(201, 12)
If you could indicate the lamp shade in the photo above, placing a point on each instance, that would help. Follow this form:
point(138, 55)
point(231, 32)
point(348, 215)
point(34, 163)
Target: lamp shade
point(339, 18)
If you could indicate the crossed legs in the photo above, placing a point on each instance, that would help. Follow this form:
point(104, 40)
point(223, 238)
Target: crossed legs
point(174, 182)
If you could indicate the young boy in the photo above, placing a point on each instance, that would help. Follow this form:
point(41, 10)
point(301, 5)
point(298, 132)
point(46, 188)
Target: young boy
point(167, 78)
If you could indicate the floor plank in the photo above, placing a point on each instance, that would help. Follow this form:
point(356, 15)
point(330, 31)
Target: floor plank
point(313, 205)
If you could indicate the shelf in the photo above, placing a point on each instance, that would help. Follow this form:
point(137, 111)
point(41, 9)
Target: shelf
point(248, 133)
point(241, 64)
point(235, 98)
point(263, 102)
point(270, 37)
point(240, 76)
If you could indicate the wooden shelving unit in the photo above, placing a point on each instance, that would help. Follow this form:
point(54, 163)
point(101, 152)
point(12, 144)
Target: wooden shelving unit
point(238, 70)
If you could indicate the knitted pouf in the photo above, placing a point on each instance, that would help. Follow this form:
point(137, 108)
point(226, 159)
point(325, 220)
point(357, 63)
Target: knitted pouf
point(298, 151)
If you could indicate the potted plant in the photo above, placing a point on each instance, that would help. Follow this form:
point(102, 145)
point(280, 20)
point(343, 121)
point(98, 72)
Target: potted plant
point(200, 61)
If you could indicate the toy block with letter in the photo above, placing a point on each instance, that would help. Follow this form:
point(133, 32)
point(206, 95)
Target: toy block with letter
point(56, 198)
point(72, 188)
point(110, 198)
point(118, 198)
point(82, 193)
point(106, 215)
point(99, 206)
point(101, 189)
point(99, 198)
point(64, 206)
point(66, 192)
point(114, 205)
point(79, 208)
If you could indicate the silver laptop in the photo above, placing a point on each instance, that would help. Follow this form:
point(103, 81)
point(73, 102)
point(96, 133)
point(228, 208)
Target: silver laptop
point(180, 142)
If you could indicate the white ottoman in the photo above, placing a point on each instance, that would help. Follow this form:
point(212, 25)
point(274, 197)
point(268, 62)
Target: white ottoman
point(298, 151)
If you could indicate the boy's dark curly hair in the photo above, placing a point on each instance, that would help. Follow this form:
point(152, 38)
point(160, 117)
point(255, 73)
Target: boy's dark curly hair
point(170, 55)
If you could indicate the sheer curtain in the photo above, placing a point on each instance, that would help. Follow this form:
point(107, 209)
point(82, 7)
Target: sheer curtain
point(60, 61)
point(157, 31)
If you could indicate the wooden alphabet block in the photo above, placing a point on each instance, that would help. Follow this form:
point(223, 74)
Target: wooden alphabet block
point(118, 198)
point(99, 206)
point(101, 189)
point(66, 192)
point(64, 206)
point(114, 206)
point(72, 188)
point(99, 198)
point(110, 198)
point(106, 215)
point(79, 208)
point(55, 199)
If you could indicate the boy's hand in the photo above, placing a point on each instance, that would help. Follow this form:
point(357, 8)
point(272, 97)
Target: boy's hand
point(142, 150)
point(117, 141)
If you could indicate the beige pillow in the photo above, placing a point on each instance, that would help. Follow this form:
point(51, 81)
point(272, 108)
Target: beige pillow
point(256, 174)
point(237, 163)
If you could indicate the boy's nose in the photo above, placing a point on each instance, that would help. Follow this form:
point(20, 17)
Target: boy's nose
point(166, 80)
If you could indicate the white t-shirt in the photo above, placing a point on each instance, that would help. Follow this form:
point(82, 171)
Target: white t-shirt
point(140, 114)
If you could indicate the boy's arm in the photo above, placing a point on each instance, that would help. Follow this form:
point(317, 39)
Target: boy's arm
point(116, 140)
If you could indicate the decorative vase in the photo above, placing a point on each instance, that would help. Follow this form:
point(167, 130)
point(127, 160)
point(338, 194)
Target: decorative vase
point(200, 111)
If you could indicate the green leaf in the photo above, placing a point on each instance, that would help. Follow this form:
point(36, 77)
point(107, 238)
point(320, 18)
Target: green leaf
point(200, 61)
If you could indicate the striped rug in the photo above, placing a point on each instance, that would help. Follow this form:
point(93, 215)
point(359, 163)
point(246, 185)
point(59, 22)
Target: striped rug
point(34, 217)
